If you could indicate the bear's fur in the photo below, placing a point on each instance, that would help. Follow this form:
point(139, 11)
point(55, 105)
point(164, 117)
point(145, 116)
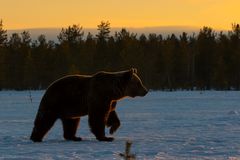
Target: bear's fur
point(96, 95)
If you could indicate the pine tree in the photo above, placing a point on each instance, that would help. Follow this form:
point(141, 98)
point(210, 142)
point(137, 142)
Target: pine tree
point(3, 41)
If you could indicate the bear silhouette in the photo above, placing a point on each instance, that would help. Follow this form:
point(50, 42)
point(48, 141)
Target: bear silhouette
point(74, 96)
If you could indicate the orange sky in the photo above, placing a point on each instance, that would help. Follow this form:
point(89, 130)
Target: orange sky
point(219, 14)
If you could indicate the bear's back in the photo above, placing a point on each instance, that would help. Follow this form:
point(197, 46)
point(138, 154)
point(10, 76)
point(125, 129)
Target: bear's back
point(66, 90)
point(70, 83)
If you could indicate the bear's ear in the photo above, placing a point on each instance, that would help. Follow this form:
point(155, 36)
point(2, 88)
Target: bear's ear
point(128, 75)
point(134, 70)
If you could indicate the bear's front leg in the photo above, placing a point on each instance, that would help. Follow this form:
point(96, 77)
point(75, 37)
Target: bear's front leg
point(113, 122)
point(96, 120)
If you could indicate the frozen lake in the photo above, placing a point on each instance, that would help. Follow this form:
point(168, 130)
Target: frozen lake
point(163, 125)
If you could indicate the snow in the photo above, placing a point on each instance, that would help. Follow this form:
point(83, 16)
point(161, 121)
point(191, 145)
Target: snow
point(162, 125)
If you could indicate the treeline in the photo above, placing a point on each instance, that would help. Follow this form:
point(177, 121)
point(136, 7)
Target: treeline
point(207, 60)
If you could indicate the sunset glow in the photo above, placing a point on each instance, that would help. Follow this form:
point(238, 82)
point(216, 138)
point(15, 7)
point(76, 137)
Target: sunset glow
point(219, 14)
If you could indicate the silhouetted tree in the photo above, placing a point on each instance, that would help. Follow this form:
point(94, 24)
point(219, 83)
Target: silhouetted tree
point(3, 41)
point(18, 50)
point(192, 48)
point(88, 54)
point(44, 63)
point(129, 52)
point(3, 34)
point(124, 42)
point(234, 36)
point(69, 50)
point(160, 67)
point(72, 35)
point(205, 64)
point(170, 50)
point(102, 53)
point(151, 48)
point(183, 60)
point(103, 31)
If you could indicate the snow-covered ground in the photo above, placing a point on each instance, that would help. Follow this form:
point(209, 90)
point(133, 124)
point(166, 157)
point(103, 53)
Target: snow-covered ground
point(162, 125)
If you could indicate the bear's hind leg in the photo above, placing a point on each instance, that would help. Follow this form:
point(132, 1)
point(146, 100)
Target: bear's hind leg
point(70, 128)
point(42, 125)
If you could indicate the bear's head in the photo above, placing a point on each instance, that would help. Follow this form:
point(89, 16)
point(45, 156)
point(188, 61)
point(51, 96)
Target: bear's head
point(134, 85)
point(118, 85)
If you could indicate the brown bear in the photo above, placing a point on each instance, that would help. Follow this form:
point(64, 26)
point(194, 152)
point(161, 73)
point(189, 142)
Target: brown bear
point(96, 95)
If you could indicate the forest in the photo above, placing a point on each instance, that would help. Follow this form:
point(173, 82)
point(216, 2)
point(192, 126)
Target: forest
point(201, 61)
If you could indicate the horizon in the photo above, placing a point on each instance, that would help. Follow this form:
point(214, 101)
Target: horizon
point(218, 14)
point(52, 33)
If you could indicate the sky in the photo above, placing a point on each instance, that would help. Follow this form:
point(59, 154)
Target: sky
point(23, 14)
